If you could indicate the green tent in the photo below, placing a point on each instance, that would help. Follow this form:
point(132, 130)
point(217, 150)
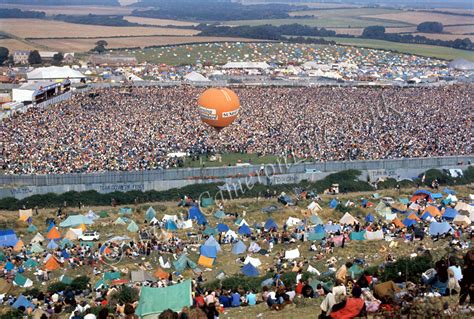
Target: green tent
point(101, 283)
point(355, 271)
point(357, 235)
point(313, 282)
point(155, 300)
point(150, 214)
point(76, 220)
point(183, 262)
point(210, 231)
point(36, 248)
point(120, 221)
point(132, 227)
point(2, 256)
point(219, 214)
point(111, 275)
point(65, 280)
point(316, 236)
point(22, 281)
point(65, 242)
point(206, 202)
point(404, 200)
point(103, 214)
point(32, 229)
point(30, 263)
point(380, 206)
point(125, 211)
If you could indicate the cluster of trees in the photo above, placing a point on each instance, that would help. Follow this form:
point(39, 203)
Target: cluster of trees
point(430, 27)
point(378, 32)
point(268, 32)
point(109, 20)
point(4, 53)
point(17, 13)
point(65, 2)
point(213, 11)
point(100, 46)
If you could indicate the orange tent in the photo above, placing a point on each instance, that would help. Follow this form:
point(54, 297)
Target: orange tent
point(398, 223)
point(160, 273)
point(53, 234)
point(52, 264)
point(432, 210)
point(413, 217)
point(18, 246)
point(205, 261)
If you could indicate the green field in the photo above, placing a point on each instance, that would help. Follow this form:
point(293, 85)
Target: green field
point(336, 18)
point(417, 49)
point(327, 22)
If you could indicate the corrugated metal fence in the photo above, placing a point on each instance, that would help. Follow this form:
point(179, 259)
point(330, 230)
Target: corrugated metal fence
point(234, 171)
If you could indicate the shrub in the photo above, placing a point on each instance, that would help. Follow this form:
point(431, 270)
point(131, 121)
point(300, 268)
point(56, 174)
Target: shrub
point(12, 314)
point(80, 283)
point(125, 295)
point(57, 287)
point(411, 268)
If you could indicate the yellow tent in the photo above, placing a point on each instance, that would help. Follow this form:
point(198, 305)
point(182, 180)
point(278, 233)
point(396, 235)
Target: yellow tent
point(398, 223)
point(24, 214)
point(432, 210)
point(205, 261)
point(18, 246)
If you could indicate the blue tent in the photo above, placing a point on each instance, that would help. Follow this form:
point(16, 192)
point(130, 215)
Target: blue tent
point(332, 228)
point(239, 248)
point(9, 266)
point(319, 229)
point(52, 245)
point(439, 228)
point(21, 301)
point(408, 222)
point(316, 236)
point(250, 271)
point(125, 211)
point(210, 231)
point(425, 216)
point(426, 194)
point(8, 238)
point(208, 251)
point(270, 224)
point(436, 195)
point(171, 225)
point(333, 203)
point(244, 230)
point(221, 228)
point(196, 214)
point(449, 191)
point(150, 214)
point(370, 218)
point(65, 254)
point(51, 225)
point(364, 203)
point(450, 213)
point(211, 241)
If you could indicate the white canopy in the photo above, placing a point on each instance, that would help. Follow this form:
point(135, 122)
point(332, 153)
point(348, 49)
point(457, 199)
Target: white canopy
point(292, 221)
point(55, 73)
point(246, 65)
point(196, 77)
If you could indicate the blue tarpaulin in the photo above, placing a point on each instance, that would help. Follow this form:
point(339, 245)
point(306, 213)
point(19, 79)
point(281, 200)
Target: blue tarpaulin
point(21, 301)
point(370, 218)
point(208, 251)
point(408, 222)
point(332, 228)
point(449, 191)
point(333, 203)
point(270, 224)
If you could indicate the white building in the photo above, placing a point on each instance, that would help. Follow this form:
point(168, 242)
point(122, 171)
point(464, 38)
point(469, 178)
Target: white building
point(55, 73)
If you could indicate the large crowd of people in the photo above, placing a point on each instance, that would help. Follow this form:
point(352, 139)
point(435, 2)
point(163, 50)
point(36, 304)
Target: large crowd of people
point(117, 129)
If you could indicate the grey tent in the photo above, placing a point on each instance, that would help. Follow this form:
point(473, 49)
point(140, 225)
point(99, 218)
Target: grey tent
point(141, 276)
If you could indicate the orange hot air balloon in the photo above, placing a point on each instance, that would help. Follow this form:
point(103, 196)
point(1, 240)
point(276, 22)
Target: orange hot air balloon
point(218, 107)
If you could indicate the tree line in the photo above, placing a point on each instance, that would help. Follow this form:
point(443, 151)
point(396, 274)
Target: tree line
point(17, 13)
point(378, 32)
point(94, 19)
point(213, 11)
point(267, 32)
point(64, 2)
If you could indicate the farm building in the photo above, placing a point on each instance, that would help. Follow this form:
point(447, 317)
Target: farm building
point(112, 60)
point(21, 56)
point(55, 73)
